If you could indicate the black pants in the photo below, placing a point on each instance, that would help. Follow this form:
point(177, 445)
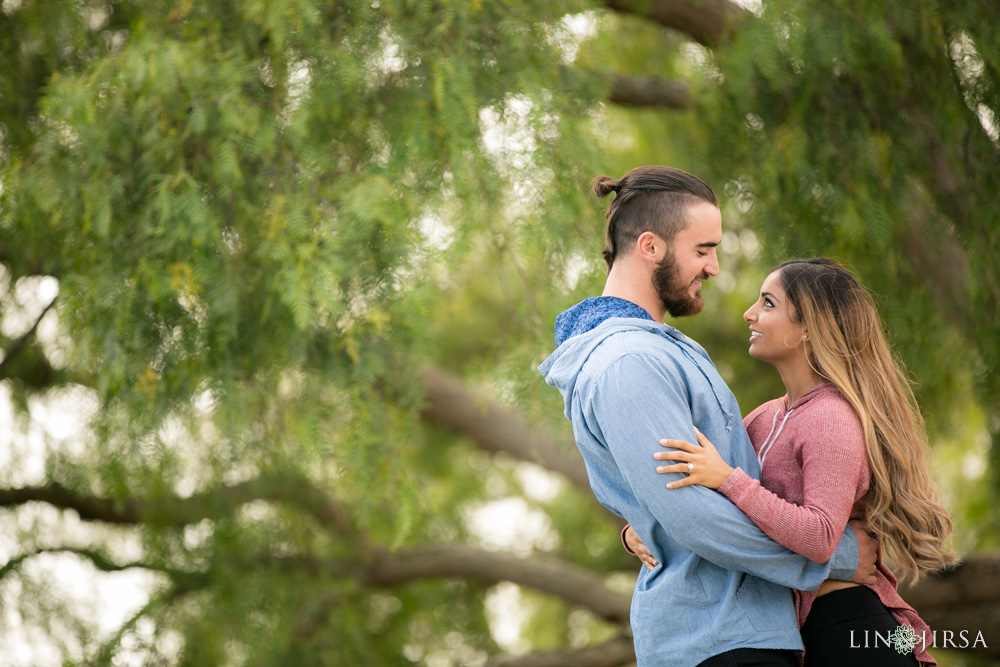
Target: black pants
point(753, 657)
point(850, 627)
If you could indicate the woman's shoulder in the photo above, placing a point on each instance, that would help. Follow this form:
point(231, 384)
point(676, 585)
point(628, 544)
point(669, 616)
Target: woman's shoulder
point(828, 410)
point(823, 406)
point(827, 399)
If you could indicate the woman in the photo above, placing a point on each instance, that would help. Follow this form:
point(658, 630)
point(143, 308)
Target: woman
point(846, 442)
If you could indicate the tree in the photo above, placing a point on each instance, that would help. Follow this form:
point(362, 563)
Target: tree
point(869, 132)
point(288, 267)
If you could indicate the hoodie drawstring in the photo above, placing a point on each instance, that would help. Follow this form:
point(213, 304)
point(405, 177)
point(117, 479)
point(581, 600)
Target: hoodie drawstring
point(769, 441)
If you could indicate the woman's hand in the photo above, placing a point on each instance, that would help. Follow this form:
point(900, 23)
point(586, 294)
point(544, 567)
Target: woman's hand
point(709, 468)
point(639, 549)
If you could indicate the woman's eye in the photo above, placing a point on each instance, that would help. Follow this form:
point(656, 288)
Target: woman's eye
point(767, 302)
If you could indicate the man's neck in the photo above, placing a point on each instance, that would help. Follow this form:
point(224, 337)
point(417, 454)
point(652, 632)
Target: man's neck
point(635, 287)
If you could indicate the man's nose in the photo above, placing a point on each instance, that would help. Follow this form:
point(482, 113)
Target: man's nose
point(712, 268)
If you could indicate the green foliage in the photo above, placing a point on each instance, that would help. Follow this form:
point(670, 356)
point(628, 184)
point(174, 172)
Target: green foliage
point(850, 127)
point(266, 217)
point(239, 202)
point(867, 132)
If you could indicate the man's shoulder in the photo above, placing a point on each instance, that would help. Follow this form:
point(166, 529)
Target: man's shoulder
point(639, 342)
point(638, 351)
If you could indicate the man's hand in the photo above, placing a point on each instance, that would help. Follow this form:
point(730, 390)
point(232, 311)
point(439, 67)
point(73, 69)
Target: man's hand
point(867, 555)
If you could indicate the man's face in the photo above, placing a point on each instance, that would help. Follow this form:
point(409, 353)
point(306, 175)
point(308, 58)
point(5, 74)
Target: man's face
point(678, 277)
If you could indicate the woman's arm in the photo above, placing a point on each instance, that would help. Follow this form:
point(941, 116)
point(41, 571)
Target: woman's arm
point(833, 461)
point(636, 547)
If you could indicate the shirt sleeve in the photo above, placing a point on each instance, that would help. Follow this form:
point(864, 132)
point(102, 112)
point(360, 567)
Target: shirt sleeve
point(833, 462)
point(641, 399)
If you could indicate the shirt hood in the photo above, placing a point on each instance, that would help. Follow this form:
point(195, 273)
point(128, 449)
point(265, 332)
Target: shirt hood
point(821, 389)
point(581, 329)
point(589, 313)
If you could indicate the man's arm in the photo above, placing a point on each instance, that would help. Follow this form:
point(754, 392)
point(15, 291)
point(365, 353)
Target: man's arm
point(833, 461)
point(634, 404)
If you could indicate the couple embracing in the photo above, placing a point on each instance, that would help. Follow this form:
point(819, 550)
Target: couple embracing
point(756, 533)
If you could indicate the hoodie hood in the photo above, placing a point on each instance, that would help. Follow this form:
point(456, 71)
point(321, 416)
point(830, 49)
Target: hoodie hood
point(581, 329)
point(819, 390)
point(589, 313)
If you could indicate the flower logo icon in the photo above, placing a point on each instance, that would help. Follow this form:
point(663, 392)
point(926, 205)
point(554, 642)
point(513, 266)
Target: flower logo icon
point(904, 639)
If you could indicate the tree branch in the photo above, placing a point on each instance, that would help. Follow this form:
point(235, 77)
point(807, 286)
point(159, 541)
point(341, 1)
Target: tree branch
point(935, 253)
point(386, 569)
point(163, 599)
point(174, 511)
point(183, 579)
point(90, 508)
point(649, 91)
point(23, 340)
point(618, 651)
point(383, 569)
point(374, 567)
point(974, 580)
point(966, 597)
point(707, 22)
point(495, 428)
point(570, 582)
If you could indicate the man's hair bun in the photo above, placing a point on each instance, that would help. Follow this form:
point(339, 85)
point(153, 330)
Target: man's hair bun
point(605, 185)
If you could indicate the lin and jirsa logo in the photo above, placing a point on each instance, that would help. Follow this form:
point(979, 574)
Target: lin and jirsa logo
point(905, 639)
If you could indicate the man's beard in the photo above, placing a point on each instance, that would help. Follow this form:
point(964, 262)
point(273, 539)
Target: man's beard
point(674, 294)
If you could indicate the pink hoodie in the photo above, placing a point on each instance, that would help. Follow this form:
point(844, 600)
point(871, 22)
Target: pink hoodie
point(814, 476)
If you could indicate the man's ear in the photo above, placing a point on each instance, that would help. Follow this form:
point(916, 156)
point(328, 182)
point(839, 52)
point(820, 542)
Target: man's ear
point(650, 247)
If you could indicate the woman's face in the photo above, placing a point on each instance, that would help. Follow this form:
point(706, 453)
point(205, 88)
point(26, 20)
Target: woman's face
point(775, 336)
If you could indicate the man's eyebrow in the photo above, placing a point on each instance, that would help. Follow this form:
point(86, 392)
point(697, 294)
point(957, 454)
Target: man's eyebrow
point(708, 244)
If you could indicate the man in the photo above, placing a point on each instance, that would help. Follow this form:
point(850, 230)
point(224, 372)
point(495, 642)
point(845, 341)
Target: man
point(721, 594)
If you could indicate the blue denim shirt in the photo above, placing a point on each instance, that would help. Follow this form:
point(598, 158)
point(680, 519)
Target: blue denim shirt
point(721, 583)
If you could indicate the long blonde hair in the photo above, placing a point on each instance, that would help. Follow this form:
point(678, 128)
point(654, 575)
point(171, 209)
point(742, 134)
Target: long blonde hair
point(848, 348)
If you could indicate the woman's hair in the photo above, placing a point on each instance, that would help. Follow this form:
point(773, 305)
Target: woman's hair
point(848, 348)
point(651, 198)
